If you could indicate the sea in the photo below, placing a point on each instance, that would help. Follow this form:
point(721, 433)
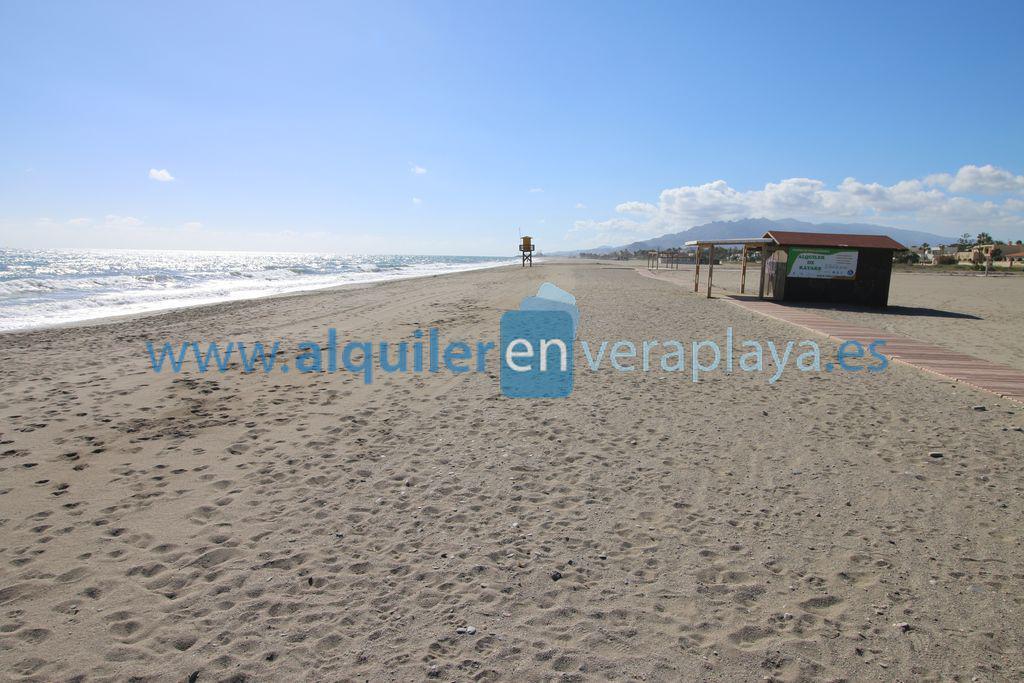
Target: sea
point(41, 288)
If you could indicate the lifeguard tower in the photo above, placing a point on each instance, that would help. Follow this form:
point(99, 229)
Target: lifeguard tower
point(526, 248)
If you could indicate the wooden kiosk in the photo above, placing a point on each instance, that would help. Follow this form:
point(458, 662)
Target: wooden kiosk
point(526, 249)
point(831, 268)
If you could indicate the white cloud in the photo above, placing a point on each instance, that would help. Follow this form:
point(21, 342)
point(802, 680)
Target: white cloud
point(115, 221)
point(906, 195)
point(417, 200)
point(938, 179)
point(536, 189)
point(192, 226)
point(932, 204)
point(642, 208)
point(580, 205)
point(417, 170)
point(986, 180)
point(611, 232)
point(161, 175)
point(79, 222)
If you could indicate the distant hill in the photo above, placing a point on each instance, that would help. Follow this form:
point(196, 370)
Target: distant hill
point(755, 227)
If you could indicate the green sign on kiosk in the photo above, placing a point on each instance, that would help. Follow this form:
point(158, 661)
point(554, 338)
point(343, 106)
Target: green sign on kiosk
point(823, 263)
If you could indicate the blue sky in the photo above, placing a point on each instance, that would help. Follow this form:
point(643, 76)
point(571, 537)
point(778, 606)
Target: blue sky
point(446, 127)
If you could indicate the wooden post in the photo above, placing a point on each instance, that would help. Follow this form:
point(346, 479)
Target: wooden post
point(696, 270)
point(764, 262)
point(743, 270)
point(711, 267)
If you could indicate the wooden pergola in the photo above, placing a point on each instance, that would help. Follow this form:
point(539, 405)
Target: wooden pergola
point(670, 259)
point(749, 244)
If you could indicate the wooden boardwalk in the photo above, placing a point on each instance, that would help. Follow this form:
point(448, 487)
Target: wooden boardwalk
point(959, 367)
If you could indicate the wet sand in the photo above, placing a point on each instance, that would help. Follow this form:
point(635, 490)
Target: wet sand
point(298, 527)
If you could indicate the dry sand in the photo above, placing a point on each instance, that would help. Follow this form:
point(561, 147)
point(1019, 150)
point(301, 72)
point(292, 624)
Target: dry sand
point(291, 527)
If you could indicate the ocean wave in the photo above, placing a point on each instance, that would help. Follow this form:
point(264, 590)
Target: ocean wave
point(38, 289)
point(26, 286)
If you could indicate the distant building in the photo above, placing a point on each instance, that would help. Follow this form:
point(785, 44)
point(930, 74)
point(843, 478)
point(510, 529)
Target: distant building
point(930, 255)
point(942, 250)
point(830, 268)
point(1011, 255)
point(1004, 254)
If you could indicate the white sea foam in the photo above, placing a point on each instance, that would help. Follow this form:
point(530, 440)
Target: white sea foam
point(43, 288)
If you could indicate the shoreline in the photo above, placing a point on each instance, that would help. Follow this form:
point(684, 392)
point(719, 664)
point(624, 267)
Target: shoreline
point(120, 317)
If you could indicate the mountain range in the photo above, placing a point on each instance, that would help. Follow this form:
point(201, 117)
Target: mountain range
point(755, 227)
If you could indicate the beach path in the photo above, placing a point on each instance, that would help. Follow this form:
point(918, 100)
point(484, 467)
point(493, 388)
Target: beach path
point(959, 367)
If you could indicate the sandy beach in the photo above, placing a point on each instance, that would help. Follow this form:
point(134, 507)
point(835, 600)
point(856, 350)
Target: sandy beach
point(286, 527)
